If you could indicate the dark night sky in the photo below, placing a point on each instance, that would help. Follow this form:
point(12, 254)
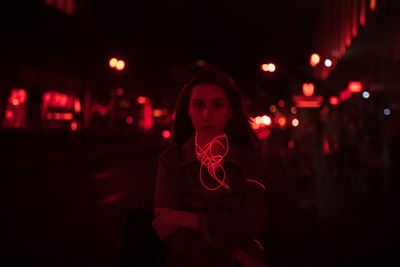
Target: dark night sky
point(238, 35)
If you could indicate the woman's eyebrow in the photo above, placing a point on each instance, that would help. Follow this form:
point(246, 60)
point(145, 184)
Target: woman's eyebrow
point(197, 99)
point(218, 99)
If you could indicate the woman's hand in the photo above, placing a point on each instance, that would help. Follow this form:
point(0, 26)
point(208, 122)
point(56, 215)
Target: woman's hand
point(167, 221)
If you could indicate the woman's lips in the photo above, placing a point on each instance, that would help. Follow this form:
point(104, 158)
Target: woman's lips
point(208, 127)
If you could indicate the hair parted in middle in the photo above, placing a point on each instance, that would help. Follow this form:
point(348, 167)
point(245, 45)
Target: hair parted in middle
point(238, 129)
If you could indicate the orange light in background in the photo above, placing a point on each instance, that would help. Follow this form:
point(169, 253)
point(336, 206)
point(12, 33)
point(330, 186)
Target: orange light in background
point(272, 108)
point(77, 106)
point(129, 120)
point(74, 126)
point(120, 91)
point(295, 122)
point(345, 94)
point(166, 134)
point(281, 103)
point(15, 102)
point(291, 144)
point(157, 113)
point(266, 120)
point(259, 120)
point(355, 87)
point(264, 67)
point(314, 60)
point(334, 100)
point(200, 63)
point(141, 99)
point(63, 116)
point(308, 89)
point(113, 62)
point(120, 65)
point(293, 110)
point(270, 67)
point(282, 121)
point(372, 5)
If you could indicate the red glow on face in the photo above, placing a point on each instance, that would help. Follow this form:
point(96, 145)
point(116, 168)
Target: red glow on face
point(291, 144)
point(308, 89)
point(256, 182)
point(141, 100)
point(113, 62)
point(314, 60)
point(9, 115)
point(120, 65)
point(74, 126)
point(129, 120)
point(120, 91)
point(212, 162)
point(334, 100)
point(166, 134)
point(344, 95)
point(355, 87)
point(77, 106)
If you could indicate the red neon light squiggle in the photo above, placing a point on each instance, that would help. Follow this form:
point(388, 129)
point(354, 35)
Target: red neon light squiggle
point(259, 244)
point(257, 182)
point(207, 159)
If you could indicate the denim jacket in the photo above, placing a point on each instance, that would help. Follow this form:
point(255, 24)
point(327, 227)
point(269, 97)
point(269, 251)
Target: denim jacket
point(229, 218)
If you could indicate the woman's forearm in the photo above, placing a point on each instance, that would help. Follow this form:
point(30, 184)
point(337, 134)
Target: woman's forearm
point(189, 220)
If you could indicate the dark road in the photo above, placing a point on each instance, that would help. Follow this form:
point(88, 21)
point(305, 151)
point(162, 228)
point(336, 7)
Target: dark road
point(67, 208)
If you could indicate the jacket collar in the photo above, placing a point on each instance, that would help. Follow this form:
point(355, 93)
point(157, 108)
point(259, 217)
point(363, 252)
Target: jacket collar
point(188, 153)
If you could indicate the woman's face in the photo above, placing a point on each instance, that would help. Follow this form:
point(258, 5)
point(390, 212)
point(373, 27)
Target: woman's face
point(209, 109)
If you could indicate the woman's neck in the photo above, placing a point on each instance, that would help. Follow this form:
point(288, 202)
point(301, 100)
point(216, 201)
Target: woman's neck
point(204, 138)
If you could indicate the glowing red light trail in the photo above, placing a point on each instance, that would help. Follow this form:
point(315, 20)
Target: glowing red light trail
point(212, 162)
point(257, 182)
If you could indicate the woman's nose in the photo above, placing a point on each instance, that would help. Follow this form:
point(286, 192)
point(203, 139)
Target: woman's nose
point(207, 113)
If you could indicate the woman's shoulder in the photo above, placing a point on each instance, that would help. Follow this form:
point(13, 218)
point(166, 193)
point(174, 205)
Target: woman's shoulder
point(247, 152)
point(171, 153)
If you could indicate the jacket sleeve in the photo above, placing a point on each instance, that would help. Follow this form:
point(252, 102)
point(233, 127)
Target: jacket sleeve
point(239, 227)
point(168, 193)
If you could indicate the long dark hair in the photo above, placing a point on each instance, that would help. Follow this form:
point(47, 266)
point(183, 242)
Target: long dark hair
point(238, 128)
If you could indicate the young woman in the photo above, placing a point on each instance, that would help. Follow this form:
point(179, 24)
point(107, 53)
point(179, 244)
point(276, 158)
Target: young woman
point(209, 195)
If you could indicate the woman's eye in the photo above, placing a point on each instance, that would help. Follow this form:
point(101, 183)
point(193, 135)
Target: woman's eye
point(198, 105)
point(219, 105)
